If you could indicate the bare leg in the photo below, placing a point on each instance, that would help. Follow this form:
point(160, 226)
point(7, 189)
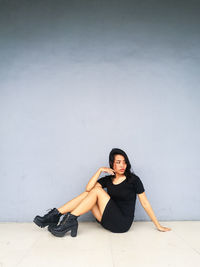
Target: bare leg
point(97, 195)
point(72, 204)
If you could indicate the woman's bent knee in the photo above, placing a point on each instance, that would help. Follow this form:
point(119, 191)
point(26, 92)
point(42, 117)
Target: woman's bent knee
point(96, 189)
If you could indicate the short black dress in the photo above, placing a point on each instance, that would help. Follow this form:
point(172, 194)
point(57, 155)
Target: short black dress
point(119, 212)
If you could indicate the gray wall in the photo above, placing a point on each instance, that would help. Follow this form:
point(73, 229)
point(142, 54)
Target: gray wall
point(78, 78)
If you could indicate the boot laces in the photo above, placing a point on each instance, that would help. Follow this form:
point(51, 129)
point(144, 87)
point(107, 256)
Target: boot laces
point(48, 212)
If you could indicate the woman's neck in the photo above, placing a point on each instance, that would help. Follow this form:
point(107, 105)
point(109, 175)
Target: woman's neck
point(119, 176)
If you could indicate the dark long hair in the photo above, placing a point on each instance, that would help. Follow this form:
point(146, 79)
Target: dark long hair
point(129, 173)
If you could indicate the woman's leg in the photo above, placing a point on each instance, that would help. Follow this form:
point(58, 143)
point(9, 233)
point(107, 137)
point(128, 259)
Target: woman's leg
point(96, 195)
point(72, 204)
point(96, 212)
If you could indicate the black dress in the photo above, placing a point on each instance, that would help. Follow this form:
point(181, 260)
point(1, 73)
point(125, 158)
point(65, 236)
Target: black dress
point(119, 212)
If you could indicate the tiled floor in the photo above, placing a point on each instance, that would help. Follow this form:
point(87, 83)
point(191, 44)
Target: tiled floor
point(27, 245)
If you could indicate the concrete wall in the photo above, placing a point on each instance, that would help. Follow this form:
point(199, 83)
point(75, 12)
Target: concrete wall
point(78, 78)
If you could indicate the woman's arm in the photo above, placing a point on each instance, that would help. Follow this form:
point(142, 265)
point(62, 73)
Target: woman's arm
point(147, 207)
point(93, 180)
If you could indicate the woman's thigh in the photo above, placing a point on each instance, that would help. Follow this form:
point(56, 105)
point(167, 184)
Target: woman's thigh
point(96, 212)
point(102, 200)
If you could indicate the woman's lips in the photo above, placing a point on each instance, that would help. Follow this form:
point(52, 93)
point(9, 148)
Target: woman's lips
point(121, 169)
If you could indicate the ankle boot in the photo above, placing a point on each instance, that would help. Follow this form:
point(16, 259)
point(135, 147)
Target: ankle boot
point(69, 222)
point(51, 218)
point(51, 226)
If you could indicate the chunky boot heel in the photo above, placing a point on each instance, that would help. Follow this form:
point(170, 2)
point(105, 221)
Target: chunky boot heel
point(68, 223)
point(74, 231)
point(51, 218)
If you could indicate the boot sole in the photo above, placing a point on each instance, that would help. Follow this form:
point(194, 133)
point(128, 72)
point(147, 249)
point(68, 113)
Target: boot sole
point(61, 234)
point(38, 223)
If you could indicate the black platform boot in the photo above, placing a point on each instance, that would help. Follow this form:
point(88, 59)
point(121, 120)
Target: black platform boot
point(51, 218)
point(51, 226)
point(68, 223)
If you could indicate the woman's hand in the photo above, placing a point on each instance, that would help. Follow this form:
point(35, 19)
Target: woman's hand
point(163, 229)
point(108, 170)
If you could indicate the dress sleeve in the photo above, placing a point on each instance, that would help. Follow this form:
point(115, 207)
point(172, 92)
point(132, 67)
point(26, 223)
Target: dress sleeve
point(103, 181)
point(138, 185)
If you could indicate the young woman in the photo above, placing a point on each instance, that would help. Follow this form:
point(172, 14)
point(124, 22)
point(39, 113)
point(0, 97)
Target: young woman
point(113, 209)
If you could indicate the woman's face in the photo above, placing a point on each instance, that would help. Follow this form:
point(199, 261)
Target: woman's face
point(119, 165)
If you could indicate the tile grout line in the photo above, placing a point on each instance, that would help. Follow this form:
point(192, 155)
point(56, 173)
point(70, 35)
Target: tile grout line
point(111, 251)
point(20, 260)
point(198, 252)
